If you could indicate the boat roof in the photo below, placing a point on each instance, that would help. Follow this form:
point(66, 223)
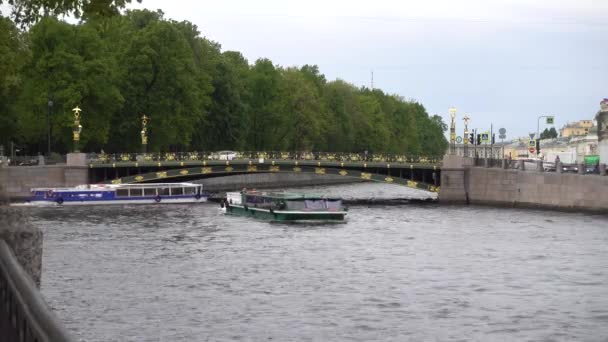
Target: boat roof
point(288, 195)
point(101, 187)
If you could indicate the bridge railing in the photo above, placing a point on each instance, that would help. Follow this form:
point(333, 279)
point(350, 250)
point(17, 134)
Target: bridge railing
point(24, 315)
point(94, 158)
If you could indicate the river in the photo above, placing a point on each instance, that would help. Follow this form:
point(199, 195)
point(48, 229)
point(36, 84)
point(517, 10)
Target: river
point(418, 272)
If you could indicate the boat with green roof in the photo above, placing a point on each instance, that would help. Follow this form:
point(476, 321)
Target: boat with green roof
point(284, 206)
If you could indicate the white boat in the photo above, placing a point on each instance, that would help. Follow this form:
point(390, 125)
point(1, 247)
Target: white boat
point(95, 194)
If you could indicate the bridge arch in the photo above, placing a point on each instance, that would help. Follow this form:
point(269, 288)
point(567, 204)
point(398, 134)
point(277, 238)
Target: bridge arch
point(228, 168)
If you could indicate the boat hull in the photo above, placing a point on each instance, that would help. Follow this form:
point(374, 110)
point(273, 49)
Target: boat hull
point(285, 215)
point(46, 203)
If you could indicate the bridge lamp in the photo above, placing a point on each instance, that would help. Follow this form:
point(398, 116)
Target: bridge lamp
point(144, 133)
point(77, 128)
point(452, 111)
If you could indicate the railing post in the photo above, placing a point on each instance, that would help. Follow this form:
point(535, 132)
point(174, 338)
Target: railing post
point(24, 239)
point(522, 165)
point(558, 167)
point(581, 168)
point(602, 169)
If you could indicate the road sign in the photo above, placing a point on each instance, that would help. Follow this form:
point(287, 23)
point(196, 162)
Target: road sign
point(532, 143)
point(531, 135)
point(502, 136)
point(502, 131)
point(531, 149)
point(550, 120)
point(459, 139)
point(485, 136)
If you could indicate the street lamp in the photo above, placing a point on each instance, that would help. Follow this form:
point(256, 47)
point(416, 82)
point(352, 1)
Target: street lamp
point(453, 129)
point(466, 120)
point(48, 126)
point(144, 133)
point(77, 129)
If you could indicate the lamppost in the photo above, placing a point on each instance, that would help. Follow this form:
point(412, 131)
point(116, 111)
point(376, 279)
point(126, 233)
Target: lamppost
point(144, 133)
point(48, 126)
point(453, 129)
point(466, 120)
point(77, 127)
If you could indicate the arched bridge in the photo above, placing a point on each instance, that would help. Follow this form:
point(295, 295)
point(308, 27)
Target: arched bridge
point(416, 172)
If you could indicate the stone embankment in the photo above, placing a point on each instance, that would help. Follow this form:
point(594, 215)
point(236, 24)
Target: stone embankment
point(463, 183)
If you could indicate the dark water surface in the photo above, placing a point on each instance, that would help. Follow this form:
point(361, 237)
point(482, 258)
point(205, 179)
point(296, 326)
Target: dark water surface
point(391, 273)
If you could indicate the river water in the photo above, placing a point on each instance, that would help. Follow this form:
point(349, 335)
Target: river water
point(418, 272)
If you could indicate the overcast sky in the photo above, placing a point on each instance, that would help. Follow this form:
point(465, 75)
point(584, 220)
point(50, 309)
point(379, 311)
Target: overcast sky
point(503, 62)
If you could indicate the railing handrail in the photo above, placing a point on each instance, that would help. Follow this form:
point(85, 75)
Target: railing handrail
point(276, 155)
point(44, 324)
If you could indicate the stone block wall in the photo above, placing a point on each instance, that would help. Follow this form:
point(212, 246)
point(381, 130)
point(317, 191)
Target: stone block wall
point(537, 189)
point(17, 181)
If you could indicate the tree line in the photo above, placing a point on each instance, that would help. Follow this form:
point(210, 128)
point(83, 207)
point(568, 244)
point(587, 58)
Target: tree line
point(197, 96)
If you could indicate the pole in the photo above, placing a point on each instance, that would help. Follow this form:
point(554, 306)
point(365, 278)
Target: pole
point(48, 128)
point(491, 141)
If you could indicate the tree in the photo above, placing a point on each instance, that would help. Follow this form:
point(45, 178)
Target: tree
point(548, 133)
point(226, 122)
point(13, 55)
point(28, 12)
point(264, 86)
point(159, 79)
point(300, 124)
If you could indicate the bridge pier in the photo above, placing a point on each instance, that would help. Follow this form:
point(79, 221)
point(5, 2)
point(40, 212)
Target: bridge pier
point(454, 178)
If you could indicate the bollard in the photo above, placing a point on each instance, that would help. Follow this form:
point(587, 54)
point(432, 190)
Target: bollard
point(558, 167)
point(581, 168)
point(602, 169)
point(505, 165)
point(486, 162)
point(539, 166)
point(522, 165)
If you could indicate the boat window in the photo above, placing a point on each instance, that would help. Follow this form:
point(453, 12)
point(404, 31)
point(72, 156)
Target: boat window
point(177, 191)
point(295, 205)
point(189, 190)
point(136, 192)
point(315, 205)
point(334, 205)
point(150, 192)
point(163, 191)
point(122, 192)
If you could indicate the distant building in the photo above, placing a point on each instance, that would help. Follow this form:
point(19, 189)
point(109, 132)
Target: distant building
point(578, 128)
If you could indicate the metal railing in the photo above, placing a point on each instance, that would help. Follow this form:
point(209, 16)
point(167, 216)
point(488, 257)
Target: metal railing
point(24, 315)
point(32, 160)
point(94, 158)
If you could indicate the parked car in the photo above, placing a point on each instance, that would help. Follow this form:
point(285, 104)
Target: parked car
point(569, 168)
point(225, 155)
point(592, 168)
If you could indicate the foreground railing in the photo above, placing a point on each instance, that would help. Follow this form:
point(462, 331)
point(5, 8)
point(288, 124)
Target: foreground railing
point(93, 158)
point(24, 315)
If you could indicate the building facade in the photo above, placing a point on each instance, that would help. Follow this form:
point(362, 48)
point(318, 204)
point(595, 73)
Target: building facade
point(579, 128)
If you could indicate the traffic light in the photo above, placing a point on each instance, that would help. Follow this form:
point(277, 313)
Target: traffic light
point(478, 139)
point(537, 146)
point(493, 138)
point(472, 138)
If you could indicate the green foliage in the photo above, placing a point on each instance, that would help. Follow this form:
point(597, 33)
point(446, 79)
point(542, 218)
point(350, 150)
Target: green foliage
point(27, 12)
point(548, 133)
point(196, 96)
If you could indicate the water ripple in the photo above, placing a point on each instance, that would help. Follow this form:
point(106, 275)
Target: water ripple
point(398, 273)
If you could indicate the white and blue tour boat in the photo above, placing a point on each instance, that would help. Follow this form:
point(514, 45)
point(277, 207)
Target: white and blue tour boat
point(93, 194)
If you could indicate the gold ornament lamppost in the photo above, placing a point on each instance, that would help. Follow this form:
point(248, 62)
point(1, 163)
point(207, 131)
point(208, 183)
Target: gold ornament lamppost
point(77, 129)
point(144, 133)
point(453, 129)
point(466, 120)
